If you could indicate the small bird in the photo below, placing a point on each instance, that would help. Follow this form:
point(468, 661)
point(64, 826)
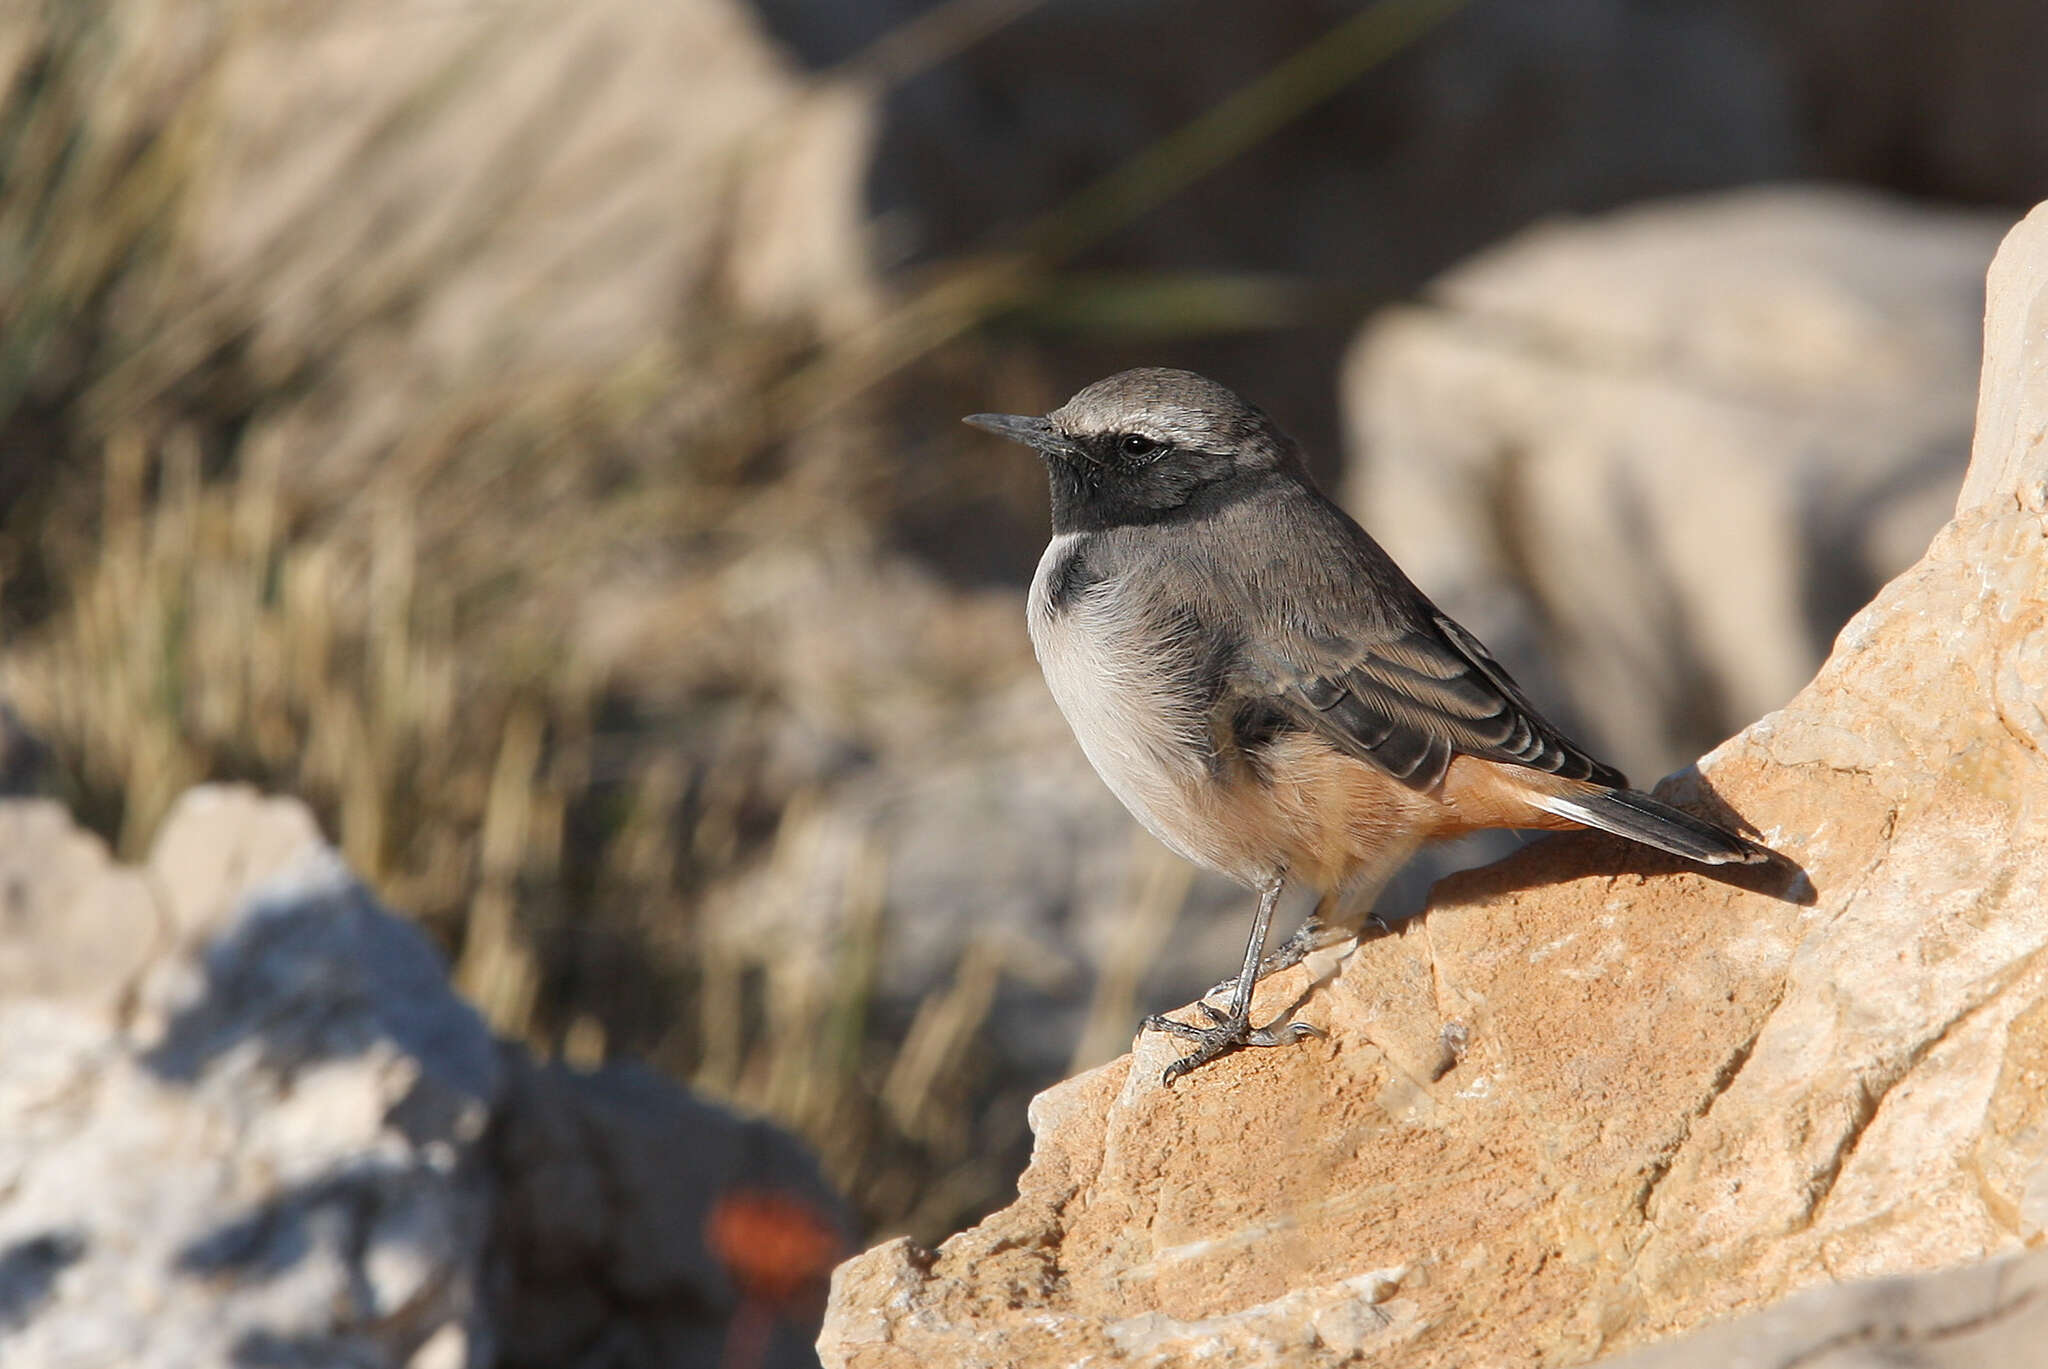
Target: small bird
point(1263, 688)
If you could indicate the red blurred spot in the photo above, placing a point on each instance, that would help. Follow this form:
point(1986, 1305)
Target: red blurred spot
point(774, 1245)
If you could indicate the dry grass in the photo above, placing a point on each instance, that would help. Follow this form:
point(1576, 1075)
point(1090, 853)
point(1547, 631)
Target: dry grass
point(181, 601)
point(181, 604)
point(210, 635)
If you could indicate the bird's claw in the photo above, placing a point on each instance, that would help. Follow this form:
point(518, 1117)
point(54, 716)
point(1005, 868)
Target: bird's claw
point(1225, 1033)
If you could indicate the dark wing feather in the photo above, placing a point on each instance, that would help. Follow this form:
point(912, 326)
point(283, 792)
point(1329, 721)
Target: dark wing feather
point(1411, 700)
point(1326, 631)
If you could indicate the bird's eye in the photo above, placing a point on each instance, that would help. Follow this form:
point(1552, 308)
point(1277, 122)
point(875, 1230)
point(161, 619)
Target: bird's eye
point(1136, 446)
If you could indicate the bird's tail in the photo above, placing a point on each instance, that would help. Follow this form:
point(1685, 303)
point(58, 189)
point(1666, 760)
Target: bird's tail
point(1626, 813)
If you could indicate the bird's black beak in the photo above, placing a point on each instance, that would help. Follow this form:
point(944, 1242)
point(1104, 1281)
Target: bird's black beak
point(1032, 432)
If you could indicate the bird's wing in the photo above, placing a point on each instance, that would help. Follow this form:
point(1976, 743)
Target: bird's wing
point(1337, 640)
point(1408, 699)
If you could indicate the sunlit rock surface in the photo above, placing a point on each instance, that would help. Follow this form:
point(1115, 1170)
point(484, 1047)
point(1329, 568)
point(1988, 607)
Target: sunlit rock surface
point(1591, 1099)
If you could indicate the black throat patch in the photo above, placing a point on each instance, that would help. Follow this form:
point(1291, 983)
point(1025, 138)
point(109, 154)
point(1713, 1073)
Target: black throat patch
point(1089, 499)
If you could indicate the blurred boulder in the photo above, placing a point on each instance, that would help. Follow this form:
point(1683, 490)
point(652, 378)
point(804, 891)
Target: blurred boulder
point(253, 1138)
point(75, 928)
point(1656, 459)
point(1590, 1099)
point(640, 1227)
point(243, 1120)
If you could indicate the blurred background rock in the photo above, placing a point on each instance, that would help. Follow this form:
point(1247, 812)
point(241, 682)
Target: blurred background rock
point(529, 434)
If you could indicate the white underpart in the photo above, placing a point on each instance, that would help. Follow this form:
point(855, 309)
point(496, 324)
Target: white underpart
point(1113, 675)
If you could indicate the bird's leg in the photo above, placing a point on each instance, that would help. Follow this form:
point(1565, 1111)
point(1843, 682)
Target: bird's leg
point(1311, 936)
point(1336, 916)
point(1228, 1031)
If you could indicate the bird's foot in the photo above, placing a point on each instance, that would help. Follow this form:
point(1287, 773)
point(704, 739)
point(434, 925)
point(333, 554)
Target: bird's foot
point(1225, 1033)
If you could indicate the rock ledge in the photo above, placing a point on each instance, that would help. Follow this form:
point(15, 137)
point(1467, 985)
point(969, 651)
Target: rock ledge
point(1676, 1099)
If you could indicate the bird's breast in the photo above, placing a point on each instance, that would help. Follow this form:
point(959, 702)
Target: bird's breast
point(1122, 669)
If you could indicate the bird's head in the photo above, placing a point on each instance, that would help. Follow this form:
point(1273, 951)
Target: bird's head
point(1147, 446)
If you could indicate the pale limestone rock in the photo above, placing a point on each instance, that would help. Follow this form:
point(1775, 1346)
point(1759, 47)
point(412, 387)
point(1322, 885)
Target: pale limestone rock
point(2012, 408)
point(257, 1142)
point(1972, 1318)
point(1677, 1098)
point(73, 927)
point(213, 842)
point(1655, 459)
point(244, 1120)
